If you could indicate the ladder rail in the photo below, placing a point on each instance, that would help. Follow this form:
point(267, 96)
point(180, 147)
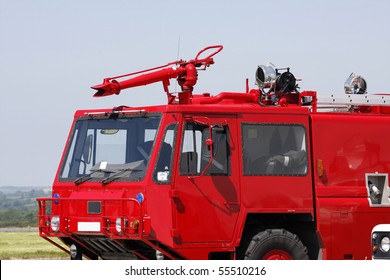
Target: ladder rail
point(354, 99)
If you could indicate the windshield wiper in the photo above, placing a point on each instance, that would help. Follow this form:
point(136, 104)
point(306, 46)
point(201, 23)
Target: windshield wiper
point(86, 177)
point(100, 167)
point(116, 176)
point(136, 166)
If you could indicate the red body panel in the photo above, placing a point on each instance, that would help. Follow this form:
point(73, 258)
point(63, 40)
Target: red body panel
point(359, 147)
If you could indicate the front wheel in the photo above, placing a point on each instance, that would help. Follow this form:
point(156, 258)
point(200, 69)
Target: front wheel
point(276, 244)
point(75, 252)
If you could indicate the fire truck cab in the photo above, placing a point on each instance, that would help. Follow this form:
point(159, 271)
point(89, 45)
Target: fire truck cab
point(262, 174)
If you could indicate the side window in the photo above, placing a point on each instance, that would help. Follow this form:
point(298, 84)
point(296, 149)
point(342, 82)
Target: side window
point(163, 168)
point(270, 149)
point(195, 153)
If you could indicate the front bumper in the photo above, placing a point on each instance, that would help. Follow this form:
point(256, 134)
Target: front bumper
point(119, 218)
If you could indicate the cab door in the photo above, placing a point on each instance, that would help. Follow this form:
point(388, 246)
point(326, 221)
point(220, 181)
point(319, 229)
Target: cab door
point(207, 193)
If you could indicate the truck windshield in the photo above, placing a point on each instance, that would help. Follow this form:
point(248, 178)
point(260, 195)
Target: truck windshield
point(102, 147)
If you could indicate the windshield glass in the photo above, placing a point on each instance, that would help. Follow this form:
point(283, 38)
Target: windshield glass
point(121, 145)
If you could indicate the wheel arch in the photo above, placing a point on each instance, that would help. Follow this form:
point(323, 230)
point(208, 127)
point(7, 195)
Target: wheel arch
point(300, 224)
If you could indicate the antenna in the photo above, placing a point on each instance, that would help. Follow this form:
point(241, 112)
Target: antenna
point(178, 49)
point(177, 57)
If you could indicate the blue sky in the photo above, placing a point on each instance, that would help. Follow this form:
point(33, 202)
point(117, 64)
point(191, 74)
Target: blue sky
point(51, 52)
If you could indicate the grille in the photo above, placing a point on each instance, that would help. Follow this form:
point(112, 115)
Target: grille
point(94, 207)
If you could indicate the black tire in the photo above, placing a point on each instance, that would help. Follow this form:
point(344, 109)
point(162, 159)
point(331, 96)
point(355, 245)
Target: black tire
point(273, 244)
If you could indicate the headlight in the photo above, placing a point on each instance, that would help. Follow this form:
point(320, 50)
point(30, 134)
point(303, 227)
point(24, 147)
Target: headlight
point(55, 223)
point(355, 84)
point(118, 225)
point(385, 244)
point(380, 242)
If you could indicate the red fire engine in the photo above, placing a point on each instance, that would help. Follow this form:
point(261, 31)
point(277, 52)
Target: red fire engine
point(269, 173)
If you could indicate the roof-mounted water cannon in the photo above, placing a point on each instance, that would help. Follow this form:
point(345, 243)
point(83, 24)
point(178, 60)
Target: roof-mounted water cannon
point(355, 84)
point(186, 73)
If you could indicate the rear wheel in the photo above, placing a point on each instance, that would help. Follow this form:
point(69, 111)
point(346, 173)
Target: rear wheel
point(276, 244)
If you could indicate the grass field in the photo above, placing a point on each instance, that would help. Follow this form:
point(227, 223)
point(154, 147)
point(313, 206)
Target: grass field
point(27, 245)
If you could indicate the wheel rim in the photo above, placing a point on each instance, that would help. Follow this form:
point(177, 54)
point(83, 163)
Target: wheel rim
point(277, 255)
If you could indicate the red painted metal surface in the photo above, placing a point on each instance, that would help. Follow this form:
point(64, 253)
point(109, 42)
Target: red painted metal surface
point(184, 71)
point(277, 255)
point(204, 215)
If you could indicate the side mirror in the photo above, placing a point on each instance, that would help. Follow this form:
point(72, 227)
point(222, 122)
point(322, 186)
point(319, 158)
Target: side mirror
point(87, 151)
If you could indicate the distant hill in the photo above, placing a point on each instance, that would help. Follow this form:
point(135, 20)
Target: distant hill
point(13, 189)
point(18, 205)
